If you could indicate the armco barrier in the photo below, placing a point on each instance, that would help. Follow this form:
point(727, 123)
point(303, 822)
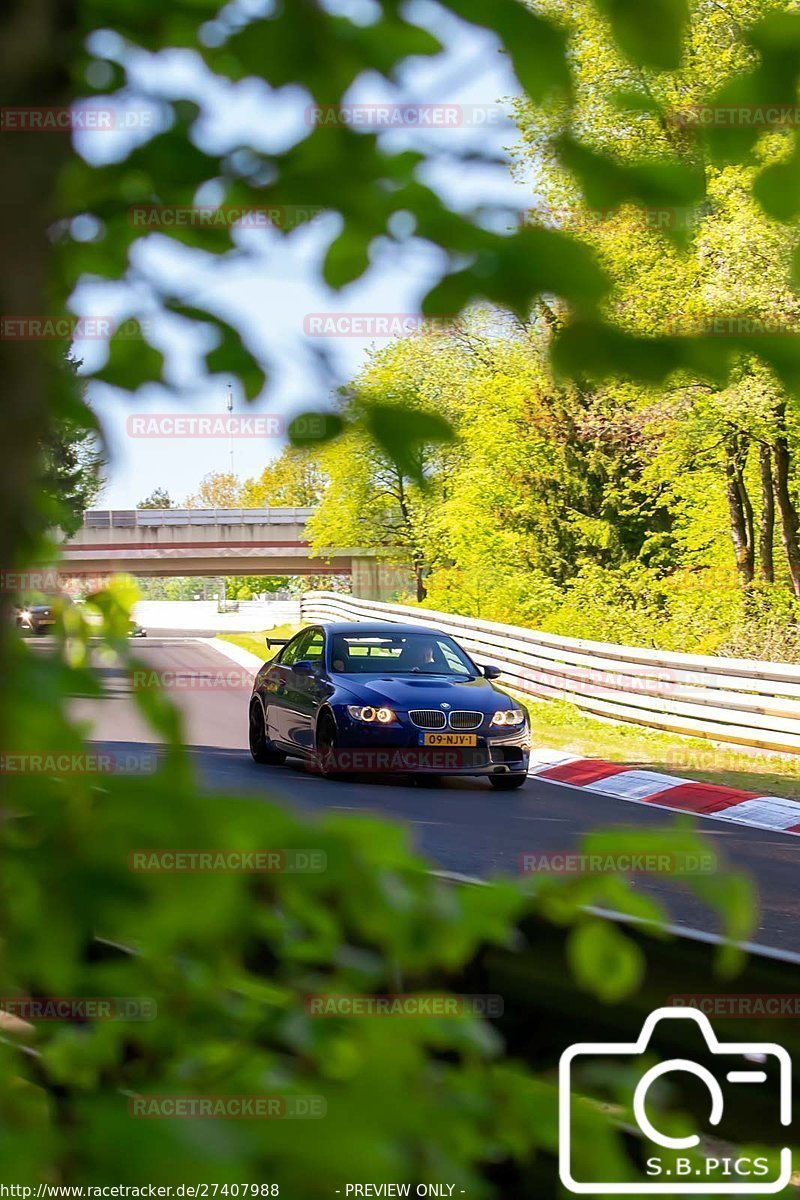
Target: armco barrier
point(744, 701)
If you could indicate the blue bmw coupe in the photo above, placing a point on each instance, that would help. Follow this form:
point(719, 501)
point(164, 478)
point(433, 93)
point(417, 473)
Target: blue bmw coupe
point(383, 698)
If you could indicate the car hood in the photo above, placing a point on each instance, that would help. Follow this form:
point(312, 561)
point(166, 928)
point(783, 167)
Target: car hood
point(414, 691)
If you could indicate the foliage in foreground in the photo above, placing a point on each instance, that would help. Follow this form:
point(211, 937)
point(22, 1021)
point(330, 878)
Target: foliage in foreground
point(230, 958)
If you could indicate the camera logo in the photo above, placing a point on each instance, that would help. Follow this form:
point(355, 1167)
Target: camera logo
point(741, 1064)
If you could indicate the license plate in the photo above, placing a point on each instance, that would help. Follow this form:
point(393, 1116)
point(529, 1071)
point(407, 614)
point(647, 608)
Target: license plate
point(450, 739)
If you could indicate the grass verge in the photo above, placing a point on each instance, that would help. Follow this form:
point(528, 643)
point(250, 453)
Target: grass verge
point(255, 643)
point(562, 726)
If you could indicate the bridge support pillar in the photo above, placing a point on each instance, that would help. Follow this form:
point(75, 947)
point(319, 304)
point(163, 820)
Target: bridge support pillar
point(374, 579)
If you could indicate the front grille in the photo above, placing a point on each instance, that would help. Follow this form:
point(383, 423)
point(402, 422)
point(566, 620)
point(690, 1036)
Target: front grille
point(427, 718)
point(464, 719)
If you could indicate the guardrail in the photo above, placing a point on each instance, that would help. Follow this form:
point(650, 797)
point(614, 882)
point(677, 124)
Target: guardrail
point(742, 701)
point(132, 518)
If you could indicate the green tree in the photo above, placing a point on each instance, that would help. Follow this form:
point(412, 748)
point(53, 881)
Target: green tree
point(293, 480)
point(678, 269)
point(235, 585)
point(71, 460)
point(377, 496)
point(158, 498)
point(218, 489)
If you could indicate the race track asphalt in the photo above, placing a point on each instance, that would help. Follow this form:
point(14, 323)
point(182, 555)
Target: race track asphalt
point(462, 826)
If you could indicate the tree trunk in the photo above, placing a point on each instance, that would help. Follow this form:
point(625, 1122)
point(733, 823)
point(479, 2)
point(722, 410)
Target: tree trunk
point(766, 531)
point(739, 507)
point(781, 461)
point(38, 42)
point(420, 582)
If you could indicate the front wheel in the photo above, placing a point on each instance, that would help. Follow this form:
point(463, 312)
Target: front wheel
point(261, 748)
point(507, 783)
point(326, 747)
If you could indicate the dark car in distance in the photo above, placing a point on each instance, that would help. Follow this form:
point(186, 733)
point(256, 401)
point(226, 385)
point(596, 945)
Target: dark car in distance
point(37, 617)
point(349, 697)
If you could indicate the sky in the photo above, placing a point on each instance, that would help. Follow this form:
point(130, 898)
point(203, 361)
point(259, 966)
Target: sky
point(268, 291)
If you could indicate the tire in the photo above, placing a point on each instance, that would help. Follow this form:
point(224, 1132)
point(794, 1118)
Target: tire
point(325, 742)
point(507, 783)
point(261, 748)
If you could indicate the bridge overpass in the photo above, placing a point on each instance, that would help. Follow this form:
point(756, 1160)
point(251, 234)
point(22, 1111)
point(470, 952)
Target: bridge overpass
point(219, 541)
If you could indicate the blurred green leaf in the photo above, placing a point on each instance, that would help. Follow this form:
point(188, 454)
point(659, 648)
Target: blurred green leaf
point(132, 361)
point(230, 357)
point(604, 961)
point(347, 258)
point(666, 191)
point(651, 33)
point(312, 428)
point(513, 271)
point(400, 432)
point(536, 46)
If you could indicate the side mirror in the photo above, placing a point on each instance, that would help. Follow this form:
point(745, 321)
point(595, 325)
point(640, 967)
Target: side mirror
point(304, 667)
point(490, 671)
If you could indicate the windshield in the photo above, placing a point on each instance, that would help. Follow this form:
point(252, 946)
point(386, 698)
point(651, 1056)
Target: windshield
point(403, 654)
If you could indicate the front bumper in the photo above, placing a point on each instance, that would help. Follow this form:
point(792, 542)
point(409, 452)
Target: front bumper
point(399, 748)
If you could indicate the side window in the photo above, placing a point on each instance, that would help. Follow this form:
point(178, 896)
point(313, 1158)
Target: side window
point(315, 647)
point(308, 645)
point(290, 654)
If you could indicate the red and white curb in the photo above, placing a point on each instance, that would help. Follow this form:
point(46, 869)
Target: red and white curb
point(667, 791)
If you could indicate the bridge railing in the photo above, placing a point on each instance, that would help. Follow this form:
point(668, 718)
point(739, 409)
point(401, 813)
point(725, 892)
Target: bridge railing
point(743, 701)
point(148, 518)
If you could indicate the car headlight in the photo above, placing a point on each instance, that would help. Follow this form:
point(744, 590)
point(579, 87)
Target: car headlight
point(24, 615)
point(370, 715)
point(508, 716)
